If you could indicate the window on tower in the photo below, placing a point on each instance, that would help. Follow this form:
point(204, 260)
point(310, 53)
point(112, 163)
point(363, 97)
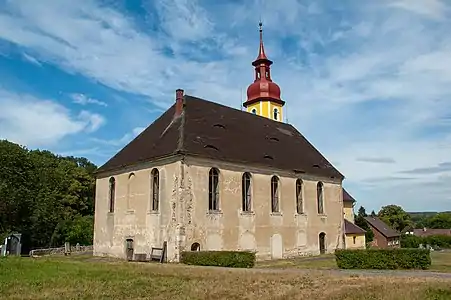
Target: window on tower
point(276, 114)
point(267, 75)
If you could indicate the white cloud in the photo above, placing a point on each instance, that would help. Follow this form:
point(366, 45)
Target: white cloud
point(126, 138)
point(84, 100)
point(368, 81)
point(36, 122)
point(31, 59)
point(435, 9)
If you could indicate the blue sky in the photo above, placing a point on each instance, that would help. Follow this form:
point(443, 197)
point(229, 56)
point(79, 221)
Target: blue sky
point(367, 82)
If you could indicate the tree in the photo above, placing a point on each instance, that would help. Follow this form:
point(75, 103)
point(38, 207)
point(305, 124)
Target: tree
point(439, 221)
point(362, 223)
point(40, 192)
point(395, 216)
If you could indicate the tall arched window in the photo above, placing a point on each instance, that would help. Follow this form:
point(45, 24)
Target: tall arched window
point(111, 193)
point(276, 114)
point(213, 189)
point(299, 202)
point(246, 190)
point(129, 188)
point(155, 184)
point(322, 243)
point(320, 197)
point(274, 194)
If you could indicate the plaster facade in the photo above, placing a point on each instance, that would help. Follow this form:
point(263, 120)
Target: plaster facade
point(355, 241)
point(348, 208)
point(184, 217)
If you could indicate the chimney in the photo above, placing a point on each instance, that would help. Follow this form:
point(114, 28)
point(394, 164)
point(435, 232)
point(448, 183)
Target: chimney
point(178, 102)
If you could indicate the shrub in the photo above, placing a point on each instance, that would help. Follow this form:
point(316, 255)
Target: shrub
point(232, 259)
point(397, 258)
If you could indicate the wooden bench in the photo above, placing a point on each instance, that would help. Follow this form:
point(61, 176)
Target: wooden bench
point(159, 254)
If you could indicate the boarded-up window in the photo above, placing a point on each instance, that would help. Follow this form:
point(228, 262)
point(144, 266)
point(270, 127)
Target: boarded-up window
point(213, 189)
point(112, 193)
point(155, 183)
point(274, 194)
point(320, 197)
point(246, 190)
point(299, 200)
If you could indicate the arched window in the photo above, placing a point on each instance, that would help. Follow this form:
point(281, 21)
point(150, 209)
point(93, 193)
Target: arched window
point(195, 247)
point(246, 192)
point(320, 197)
point(129, 187)
point(155, 184)
point(254, 111)
point(276, 114)
point(274, 194)
point(322, 243)
point(112, 193)
point(213, 189)
point(299, 202)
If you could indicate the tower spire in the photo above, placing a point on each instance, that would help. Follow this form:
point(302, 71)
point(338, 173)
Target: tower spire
point(261, 51)
point(263, 95)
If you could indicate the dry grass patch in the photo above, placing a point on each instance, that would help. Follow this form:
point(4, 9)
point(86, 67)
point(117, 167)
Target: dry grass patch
point(43, 278)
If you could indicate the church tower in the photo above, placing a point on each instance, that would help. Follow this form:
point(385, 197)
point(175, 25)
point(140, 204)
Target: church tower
point(263, 95)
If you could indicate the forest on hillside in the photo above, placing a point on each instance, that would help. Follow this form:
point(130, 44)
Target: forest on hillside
point(47, 198)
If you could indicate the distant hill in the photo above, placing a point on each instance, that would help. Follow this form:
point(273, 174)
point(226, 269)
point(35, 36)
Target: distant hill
point(426, 213)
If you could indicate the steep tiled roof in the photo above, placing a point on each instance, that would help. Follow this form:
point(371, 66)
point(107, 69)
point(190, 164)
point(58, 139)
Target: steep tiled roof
point(347, 197)
point(352, 228)
point(210, 130)
point(380, 226)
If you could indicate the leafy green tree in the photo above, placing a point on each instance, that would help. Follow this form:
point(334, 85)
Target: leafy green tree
point(362, 223)
point(439, 221)
point(40, 192)
point(395, 216)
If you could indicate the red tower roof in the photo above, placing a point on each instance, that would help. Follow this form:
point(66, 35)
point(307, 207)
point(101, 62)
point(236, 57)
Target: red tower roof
point(263, 88)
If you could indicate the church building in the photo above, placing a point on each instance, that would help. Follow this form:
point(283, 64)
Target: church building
point(204, 176)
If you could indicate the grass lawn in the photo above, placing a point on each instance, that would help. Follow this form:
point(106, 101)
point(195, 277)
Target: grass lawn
point(67, 278)
point(441, 262)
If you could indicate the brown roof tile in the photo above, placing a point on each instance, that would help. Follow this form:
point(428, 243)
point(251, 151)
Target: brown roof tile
point(352, 228)
point(210, 130)
point(430, 231)
point(347, 196)
point(380, 226)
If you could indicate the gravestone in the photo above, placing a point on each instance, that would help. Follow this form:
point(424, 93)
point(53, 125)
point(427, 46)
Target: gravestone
point(12, 245)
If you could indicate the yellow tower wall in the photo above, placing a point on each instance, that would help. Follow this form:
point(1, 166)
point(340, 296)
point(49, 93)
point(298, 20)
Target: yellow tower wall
point(266, 109)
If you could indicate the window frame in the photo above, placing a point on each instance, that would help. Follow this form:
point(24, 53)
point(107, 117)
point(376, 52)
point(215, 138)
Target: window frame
point(246, 192)
point(299, 186)
point(213, 190)
point(111, 194)
point(275, 194)
point(155, 190)
point(320, 198)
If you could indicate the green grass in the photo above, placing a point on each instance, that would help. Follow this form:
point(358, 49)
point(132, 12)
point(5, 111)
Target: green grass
point(89, 278)
point(441, 262)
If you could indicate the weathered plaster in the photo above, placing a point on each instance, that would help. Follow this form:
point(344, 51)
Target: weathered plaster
point(184, 218)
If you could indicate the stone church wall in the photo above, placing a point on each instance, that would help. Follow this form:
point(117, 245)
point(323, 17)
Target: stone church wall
point(132, 217)
point(272, 235)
